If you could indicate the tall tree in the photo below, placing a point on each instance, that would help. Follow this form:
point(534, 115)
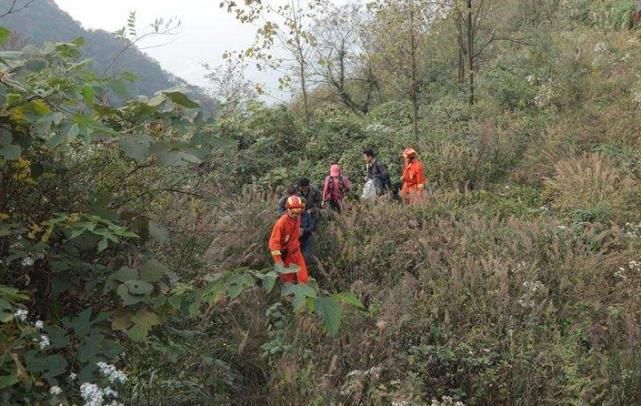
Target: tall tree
point(345, 56)
point(399, 29)
point(284, 41)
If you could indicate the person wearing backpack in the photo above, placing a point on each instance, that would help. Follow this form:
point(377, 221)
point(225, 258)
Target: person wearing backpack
point(336, 187)
point(377, 173)
point(282, 203)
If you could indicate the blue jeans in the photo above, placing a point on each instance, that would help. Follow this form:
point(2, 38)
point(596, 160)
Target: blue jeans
point(306, 246)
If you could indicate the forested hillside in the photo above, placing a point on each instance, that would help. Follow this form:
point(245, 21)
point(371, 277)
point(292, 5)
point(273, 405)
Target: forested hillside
point(43, 21)
point(135, 266)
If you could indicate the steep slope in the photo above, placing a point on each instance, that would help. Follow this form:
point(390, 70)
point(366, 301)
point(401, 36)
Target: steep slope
point(44, 21)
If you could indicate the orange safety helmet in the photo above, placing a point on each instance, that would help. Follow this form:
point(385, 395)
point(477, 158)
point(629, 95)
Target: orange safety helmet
point(295, 204)
point(409, 153)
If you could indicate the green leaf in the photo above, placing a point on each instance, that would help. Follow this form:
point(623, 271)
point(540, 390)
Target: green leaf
point(158, 232)
point(139, 287)
point(136, 146)
point(127, 298)
point(103, 244)
point(181, 99)
point(280, 268)
point(349, 298)
point(79, 42)
point(153, 271)
point(11, 152)
point(9, 379)
point(122, 275)
point(237, 284)
point(5, 34)
point(143, 321)
point(50, 366)
point(331, 312)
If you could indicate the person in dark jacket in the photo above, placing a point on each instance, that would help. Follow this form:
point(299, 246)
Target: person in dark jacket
point(291, 191)
point(377, 172)
point(313, 198)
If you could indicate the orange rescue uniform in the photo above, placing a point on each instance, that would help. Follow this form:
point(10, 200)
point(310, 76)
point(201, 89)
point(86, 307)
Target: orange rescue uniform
point(413, 181)
point(285, 248)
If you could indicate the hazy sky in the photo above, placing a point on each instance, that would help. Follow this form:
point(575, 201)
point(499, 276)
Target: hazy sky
point(207, 31)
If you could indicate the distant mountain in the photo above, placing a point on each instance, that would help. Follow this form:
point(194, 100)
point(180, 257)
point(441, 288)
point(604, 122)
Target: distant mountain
point(43, 21)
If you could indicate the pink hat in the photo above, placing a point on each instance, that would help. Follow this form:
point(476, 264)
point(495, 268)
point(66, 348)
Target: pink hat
point(335, 170)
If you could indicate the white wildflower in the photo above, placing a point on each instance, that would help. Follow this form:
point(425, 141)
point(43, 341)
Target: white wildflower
point(55, 390)
point(27, 261)
point(21, 315)
point(112, 373)
point(72, 376)
point(109, 392)
point(92, 394)
point(39, 325)
point(43, 342)
point(562, 228)
point(600, 47)
point(530, 79)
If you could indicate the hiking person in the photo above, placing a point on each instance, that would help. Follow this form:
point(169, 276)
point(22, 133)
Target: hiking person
point(413, 179)
point(376, 172)
point(282, 202)
point(336, 186)
point(284, 241)
point(313, 200)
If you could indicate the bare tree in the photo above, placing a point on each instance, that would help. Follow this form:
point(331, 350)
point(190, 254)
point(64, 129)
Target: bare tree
point(16, 6)
point(344, 60)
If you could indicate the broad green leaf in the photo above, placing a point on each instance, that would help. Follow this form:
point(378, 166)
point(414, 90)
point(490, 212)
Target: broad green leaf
point(136, 146)
point(143, 321)
point(153, 271)
point(280, 268)
point(121, 321)
point(49, 366)
point(330, 312)
point(4, 35)
point(40, 107)
point(122, 275)
point(349, 298)
point(269, 281)
point(177, 158)
point(127, 298)
point(238, 283)
point(181, 99)
point(10, 379)
point(11, 152)
point(139, 287)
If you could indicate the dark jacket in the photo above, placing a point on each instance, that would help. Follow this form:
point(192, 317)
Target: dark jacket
point(313, 199)
point(377, 172)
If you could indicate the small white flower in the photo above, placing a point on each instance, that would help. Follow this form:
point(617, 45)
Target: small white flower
point(43, 342)
point(39, 325)
point(21, 315)
point(72, 376)
point(600, 47)
point(27, 261)
point(92, 394)
point(112, 373)
point(55, 390)
point(562, 228)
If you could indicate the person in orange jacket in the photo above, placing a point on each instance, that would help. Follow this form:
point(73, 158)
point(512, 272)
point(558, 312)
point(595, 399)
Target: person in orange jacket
point(284, 241)
point(413, 179)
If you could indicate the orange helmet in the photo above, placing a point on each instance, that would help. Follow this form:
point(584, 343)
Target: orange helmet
point(409, 153)
point(295, 204)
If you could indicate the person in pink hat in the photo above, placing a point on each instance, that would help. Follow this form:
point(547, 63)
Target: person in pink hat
point(336, 186)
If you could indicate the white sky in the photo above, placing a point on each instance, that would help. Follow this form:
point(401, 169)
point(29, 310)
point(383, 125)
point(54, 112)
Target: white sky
point(206, 32)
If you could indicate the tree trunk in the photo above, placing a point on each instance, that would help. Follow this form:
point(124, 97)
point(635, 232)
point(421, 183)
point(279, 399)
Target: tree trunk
point(470, 49)
point(303, 85)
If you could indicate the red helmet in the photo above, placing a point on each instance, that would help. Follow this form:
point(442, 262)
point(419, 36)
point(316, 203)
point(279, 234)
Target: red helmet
point(409, 153)
point(295, 204)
